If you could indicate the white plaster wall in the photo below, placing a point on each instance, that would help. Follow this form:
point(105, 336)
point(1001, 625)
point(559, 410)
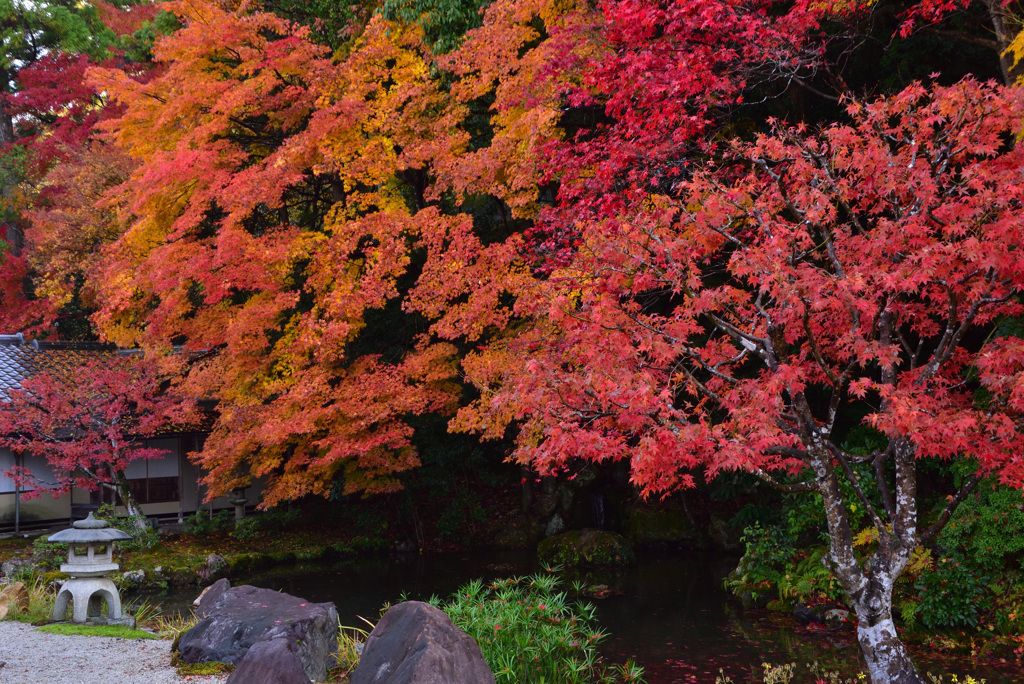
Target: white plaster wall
point(6, 462)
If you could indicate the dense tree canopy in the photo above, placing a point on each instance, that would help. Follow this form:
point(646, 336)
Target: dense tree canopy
point(694, 236)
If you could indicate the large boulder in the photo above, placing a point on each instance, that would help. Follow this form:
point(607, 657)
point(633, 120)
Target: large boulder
point(207, 598)
point(270, 662)
point(235, 619)
point(16, 596)
point(586, 548)
point(415, 643)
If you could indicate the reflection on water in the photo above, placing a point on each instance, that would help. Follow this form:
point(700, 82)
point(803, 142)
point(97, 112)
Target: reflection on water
point(669, 612)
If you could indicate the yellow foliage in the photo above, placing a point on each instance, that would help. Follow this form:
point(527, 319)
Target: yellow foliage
point(1016, 50)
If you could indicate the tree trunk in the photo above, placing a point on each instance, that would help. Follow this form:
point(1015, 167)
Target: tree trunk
point(1005, 29)
point(887, 658)
point(6, 120)
point(124, 492)
point(870, 592)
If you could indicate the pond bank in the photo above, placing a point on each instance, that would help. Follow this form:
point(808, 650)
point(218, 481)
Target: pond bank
point(669, 611)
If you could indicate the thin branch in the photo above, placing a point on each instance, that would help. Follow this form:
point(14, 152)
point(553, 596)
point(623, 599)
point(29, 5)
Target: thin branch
point(855, 482)
point(950, 508)
point(788, 488)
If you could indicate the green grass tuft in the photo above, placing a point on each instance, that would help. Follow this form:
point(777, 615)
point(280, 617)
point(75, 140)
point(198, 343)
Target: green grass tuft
point(202, 669)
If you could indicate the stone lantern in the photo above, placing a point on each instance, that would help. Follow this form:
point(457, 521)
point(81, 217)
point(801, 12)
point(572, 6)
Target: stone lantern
point(238, 502)
point(90, 561)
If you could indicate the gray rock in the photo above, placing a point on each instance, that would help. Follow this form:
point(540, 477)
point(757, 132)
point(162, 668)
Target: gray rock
point(803, 613)
point(555, 526)
point(132, 579)
point(17, 568)
point(836, 617)
point(208, 596)
point(593, 548)
point(270, 662)
point(830, 616)
point(216, 563)
point(415, 643)
point(235, 619)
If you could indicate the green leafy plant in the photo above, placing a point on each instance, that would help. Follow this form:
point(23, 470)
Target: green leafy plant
point(988, 530)
point(951, 596)
point(142, 540)
point(350, 640)
point(255, 526)
point(201, 523)
point(809, 578)
point(247, 529)
point(784, 674)
point(529, 631)
point(908, 612)
point(47, 556)
point(463, 511)
point(142, 609)
point(768, 550)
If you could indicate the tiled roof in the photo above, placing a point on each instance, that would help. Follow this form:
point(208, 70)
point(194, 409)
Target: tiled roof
point(19, 359)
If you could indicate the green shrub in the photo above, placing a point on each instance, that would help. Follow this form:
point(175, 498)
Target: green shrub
point(48, 556)
point(951, 596)
point(200, 524)
point(255, 526)
point(463, 512)
point(809, 578)
point(987, 530)
point(361, 544)
point(142, 540)
point(48, 578)
point(768, 550)
point(529, 632)
point(247, 529)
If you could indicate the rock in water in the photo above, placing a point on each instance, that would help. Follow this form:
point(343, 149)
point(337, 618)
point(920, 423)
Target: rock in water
point(591, 548)
point(415, 643)
point(235, 619)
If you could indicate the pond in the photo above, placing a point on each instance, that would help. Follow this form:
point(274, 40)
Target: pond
point(667, 611)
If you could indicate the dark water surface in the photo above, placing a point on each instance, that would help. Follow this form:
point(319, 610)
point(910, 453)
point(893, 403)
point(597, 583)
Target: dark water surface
point(669, 612)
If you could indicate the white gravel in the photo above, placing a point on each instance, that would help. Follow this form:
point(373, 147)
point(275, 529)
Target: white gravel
point(33, 657)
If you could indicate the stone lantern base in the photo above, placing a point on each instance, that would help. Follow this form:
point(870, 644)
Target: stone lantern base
point(88, 594)
point(89, 585)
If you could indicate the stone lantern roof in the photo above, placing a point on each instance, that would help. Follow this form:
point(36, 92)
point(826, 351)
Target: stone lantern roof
point(89, 531)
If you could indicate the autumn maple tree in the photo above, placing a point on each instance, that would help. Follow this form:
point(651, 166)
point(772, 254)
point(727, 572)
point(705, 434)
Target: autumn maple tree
point(701, 305)
point(856, 271)
point(588, 196)
point(89, 420)
point(275, 196)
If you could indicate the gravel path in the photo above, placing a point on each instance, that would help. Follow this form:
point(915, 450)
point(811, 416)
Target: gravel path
point(33, 657)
